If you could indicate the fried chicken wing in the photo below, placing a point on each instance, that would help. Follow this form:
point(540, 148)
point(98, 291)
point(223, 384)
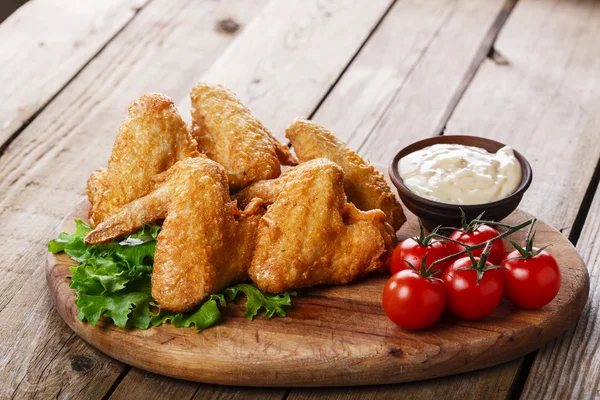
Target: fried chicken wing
point(365, 186)
point(205, 243)
point(150, 140)
point(310, 235)
point(227, 132)
point(266, 190)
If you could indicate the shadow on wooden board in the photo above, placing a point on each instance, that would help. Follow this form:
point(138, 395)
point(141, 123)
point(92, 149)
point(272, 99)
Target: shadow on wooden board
point(7, 7)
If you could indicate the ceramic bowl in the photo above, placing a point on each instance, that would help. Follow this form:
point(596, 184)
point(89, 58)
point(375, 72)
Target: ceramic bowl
point(434, 213)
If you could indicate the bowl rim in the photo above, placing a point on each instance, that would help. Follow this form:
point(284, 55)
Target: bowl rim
point(526, 174)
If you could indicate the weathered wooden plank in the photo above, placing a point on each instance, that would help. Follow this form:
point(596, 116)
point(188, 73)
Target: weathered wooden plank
point(398, 91)
point(292, 54)
point(149, 386)
point(41, 357)
point(214, 392)
point(165, 49)
point(569, 367)
point(542, 102)
point(489, 384)
point(44, 44)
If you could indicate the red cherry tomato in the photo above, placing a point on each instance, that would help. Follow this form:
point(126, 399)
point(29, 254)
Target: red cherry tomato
point(531, 282)
point(468, 299)
point(479, 235)
point(412, 251)
point(412, 301)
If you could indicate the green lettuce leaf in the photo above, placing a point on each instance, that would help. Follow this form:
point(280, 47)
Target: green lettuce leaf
point(118, 306)
point(113, 281)
point(72, 244)
point(272, 303)
point(204, 317)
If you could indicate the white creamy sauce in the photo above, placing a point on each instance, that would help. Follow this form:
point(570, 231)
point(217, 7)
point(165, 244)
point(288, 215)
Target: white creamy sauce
point(457, 174)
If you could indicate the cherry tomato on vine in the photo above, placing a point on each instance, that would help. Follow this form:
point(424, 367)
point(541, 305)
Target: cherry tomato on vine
point(474, 287)
point(413, 301)
point(531, 276)
point(475, 235)
point(412, 251)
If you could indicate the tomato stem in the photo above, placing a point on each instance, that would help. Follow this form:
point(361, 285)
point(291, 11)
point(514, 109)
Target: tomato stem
point(469, 226)
point(425, 240)
point(480, 266)
point(527, 251)
point(481, 222)
point(468, 248)
point(423, 271)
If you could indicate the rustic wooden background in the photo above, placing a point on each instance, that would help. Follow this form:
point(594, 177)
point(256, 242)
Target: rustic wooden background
point(379, 73)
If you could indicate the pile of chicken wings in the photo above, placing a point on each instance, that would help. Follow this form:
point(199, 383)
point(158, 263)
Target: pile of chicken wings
point(228, 213)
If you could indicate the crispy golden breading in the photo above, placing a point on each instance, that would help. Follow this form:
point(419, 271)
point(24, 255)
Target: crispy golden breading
point(205, 243)
point(227, 132)
point(310, 235)
point(150, 140)
point(365, 185)
point(267, 191)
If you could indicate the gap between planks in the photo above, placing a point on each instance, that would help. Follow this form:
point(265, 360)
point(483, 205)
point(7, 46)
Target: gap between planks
point(29, 108)
point(592, 197)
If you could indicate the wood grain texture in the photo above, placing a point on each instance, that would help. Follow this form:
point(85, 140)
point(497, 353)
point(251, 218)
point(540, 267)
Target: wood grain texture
point(569, 367)
point(149, 386)
point(291, 55)
point(488, 383)
point(165, 48)
point(333, 336)
point(40, 54)
point(409, 76)
point(543, 102)
point(65, 368)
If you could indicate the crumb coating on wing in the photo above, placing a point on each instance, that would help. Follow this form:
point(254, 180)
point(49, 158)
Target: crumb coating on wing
point(150, 140)
point(310, 235)
point(227, 132)
point(205, 244)
point(365, 185)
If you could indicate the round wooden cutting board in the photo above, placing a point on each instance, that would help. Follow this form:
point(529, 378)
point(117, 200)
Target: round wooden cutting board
point(334, 336)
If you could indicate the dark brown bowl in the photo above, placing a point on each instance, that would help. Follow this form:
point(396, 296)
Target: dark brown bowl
point(434, 213)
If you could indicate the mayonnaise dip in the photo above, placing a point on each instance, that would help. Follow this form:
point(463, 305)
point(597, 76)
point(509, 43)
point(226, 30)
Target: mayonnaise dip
point(457, 174)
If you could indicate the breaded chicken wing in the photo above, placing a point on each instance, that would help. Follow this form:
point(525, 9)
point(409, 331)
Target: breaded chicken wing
point(267, 191)
point(205, 243)
point(150, 140)
point(227, 132)
point(310, 235)
point(365, 185)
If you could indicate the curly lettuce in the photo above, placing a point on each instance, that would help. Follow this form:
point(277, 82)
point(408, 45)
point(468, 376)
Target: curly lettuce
point(113, 281)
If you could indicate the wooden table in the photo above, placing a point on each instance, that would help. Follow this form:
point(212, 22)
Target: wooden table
point(379, 73)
